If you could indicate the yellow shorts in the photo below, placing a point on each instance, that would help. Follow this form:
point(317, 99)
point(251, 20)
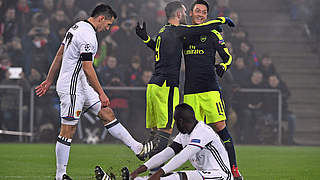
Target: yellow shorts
point(207, 106)
point(161, 102)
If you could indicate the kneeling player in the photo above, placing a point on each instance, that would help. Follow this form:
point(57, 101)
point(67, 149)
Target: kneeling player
point(196, 142)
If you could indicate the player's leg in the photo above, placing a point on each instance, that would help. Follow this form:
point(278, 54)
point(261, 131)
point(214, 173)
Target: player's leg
point(216, 118)
point(193, 101)
point(106, 115)
point(70, 107)
point(164, 99)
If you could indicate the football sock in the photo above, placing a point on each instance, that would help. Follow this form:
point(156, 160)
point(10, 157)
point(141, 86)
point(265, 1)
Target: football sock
point(163, 143)
point(228, 143)
point(62, 155)
point(116, 129)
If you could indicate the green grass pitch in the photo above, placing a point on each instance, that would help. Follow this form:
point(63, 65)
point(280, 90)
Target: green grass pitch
point(37, 161)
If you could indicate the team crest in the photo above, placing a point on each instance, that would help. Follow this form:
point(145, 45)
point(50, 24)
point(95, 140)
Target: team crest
point(78, 113)
point(87, 47)
point(203, 38)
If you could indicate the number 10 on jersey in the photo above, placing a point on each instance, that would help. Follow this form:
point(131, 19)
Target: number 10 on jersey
point(157, 48)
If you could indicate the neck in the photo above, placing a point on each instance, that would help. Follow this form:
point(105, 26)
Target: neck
point(174, 21)
point(93, 22)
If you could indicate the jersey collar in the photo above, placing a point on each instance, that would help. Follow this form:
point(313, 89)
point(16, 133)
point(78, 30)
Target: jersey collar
point(91, 25)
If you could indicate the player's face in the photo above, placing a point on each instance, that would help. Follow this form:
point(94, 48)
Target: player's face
point(104, 24)
point(183, 18)
point(199, 14)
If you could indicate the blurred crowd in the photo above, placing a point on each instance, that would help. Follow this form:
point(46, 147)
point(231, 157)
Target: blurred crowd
point(31, 32)
point(307, 12)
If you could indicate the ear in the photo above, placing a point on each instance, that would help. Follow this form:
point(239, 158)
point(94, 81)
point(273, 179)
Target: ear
point(178, 13)
point(190, 13)
point(101, 18)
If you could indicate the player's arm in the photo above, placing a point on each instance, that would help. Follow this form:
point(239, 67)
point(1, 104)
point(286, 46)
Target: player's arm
point(158, 159)
point(142, 33)
point(189, 30)
point(92, 78)
point(178, 160)
point(54, 69)
point(223, 52)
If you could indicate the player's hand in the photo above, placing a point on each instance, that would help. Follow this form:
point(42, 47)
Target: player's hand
point(157, 175)
point(104, 100)
point(220, 69)
point(43, 88)
point(142, 32)
point(134, 174)
point(230, 22)
point(227, 20)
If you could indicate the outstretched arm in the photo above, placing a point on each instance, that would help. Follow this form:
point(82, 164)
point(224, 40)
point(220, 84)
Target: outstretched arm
point(155, 161)
point(189, 30)
point(54, 69)
point(177, 161)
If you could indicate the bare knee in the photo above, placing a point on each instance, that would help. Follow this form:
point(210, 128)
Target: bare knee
point(106, 115)
point(218, 126)
point(67, 131)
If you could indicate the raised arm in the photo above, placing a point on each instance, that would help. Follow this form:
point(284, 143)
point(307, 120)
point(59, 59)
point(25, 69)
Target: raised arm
point(54, 69)
point(189, 30)
point(142, 33)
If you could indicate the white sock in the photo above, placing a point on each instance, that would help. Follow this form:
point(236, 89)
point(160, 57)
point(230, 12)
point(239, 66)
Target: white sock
point(62, 156)
point(116, 129)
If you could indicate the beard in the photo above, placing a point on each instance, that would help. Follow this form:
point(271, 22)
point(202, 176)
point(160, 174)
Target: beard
point(183, 20)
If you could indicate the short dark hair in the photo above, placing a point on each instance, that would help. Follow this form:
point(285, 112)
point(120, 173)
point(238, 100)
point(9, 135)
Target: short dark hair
point(104, 10)
point(172, 7)
point(185, 112)
point(200, 2)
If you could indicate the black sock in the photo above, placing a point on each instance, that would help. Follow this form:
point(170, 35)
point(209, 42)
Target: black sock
point(163, 143)
point(228, 143)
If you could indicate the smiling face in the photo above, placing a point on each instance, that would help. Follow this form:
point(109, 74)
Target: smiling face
point(199, 14)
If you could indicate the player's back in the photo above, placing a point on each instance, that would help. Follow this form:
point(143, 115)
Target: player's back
point(168, 55)
point(79, 40)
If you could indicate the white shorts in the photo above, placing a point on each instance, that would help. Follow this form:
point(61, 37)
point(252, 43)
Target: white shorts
point(72, 106)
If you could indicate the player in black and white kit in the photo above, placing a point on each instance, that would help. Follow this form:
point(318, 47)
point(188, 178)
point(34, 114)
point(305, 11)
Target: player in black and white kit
point(196, 142)
point(79, 89)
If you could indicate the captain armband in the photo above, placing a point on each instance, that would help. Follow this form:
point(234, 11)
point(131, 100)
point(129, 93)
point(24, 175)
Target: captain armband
point(86, 56)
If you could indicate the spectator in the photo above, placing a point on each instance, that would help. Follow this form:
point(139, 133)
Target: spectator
point(240, 73)
point(246, 50)
point(15, 52)
point(10, 25)
point(70, 8)
point(5, 64)
point(267, 67)
point(23, 15)
point(271, 105)
point(108, 70)
point(134, 72)
point(48, 7)
point(252, 109)
point(10, 100)
point(127, 40)
point(119, 99)
point(3, 47)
